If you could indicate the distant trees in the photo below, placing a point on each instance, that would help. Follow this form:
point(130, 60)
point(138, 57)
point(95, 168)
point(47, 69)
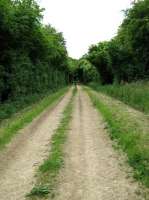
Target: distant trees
point(133, 37)
point(83, 71)
point(86, 72)
point(99, 56)
point(125, 57)
point(33, 57)
point(72, 69)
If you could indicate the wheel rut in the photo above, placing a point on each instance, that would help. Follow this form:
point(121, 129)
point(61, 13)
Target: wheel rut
point(92, 168)
point(20, 160)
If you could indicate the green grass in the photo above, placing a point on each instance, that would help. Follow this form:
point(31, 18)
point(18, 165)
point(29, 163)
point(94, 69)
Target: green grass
point(39, 191)
point(49, 170)
point(130, 137)
point(134, 94)
point(13, 125)
point(11, 107)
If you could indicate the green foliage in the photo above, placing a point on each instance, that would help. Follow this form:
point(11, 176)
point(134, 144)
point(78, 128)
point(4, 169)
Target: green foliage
point(134, 94)
point(82, 70)
point(99, 56)
point(133, 34)
point(129, 134)
point(39, 191)
point(125, 58)
point(33, 57)
point(9, 108)
point(72, 67)
point(87, 72)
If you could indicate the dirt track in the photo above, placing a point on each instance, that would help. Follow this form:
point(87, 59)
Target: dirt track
point(92, 168)
point(18, 163)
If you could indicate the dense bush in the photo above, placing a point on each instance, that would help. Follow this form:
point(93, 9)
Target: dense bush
point(33, 57)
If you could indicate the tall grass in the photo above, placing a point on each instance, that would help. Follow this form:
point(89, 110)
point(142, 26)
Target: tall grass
point(134, 94)
point(15, 105)
point(11, 107)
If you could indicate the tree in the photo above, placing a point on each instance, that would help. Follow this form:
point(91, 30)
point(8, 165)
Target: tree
point(125, 58)
point(98, 55)
point(33, 57)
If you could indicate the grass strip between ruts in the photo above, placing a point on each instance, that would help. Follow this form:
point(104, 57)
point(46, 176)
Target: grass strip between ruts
point(49, 170)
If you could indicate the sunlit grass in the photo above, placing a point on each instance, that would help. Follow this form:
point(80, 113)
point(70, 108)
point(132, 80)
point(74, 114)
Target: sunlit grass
point(134, 94)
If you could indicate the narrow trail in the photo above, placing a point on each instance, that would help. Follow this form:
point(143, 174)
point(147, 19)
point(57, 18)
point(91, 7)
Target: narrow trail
point(92, 168)
point(19, 161)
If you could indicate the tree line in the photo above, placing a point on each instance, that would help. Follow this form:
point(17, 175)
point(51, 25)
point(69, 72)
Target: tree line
point(34, 59)
point(33, 56)
point(125, 58)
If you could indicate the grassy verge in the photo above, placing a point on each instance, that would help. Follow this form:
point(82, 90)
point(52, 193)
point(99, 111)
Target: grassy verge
point(133, 94)
point(13, 125)
point(48, 171)
point(131, 137)
point(11, 107)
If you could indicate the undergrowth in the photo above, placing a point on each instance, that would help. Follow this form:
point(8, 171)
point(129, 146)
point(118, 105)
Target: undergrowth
point(17, 122)
point(134, 94)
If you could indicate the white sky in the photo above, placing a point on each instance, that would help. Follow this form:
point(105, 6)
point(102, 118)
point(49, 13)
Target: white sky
point(84, 22)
